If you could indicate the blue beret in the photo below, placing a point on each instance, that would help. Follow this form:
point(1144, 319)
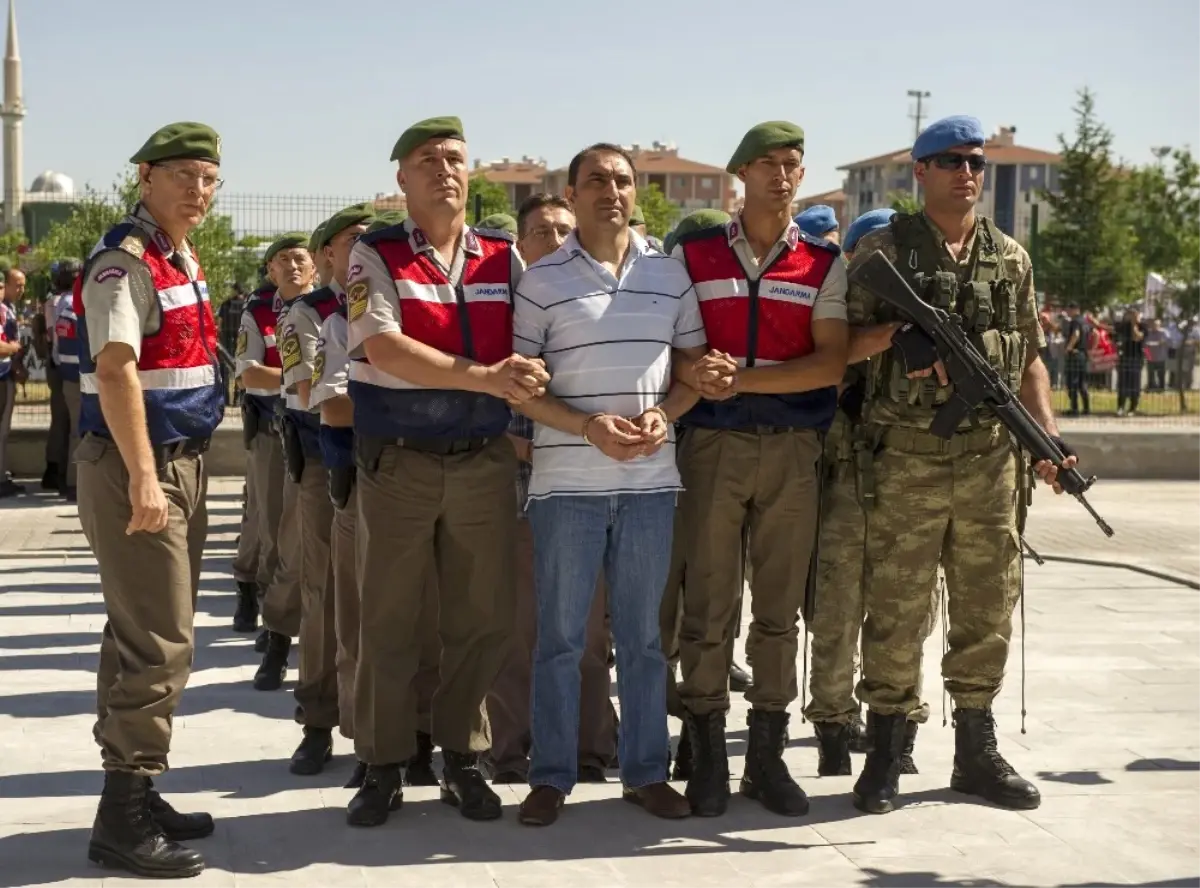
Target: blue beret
point(949, 132)
point(817, 221)
point(865, 224)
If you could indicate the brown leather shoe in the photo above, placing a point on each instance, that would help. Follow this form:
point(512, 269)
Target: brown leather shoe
point(541, 806)
point(660, 799)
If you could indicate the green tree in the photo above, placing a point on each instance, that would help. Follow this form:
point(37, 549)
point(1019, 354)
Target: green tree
point(1087, 254)
point(1163, 206)
point(659, 212)
point(903, 202)
point(493, 198)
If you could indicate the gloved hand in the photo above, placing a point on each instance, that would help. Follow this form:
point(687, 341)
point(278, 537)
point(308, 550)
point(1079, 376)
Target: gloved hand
point(914, 348)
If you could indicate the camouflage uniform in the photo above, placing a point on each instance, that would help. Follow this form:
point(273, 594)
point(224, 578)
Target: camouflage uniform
point(949, 501)
point(838, 614)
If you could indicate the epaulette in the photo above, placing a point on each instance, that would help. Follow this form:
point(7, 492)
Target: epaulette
point(495, 234)
point(126, 236)
point(820, 242)
point(263, 295)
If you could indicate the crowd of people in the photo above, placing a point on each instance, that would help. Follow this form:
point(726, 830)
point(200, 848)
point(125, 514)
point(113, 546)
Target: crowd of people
point(481, 460)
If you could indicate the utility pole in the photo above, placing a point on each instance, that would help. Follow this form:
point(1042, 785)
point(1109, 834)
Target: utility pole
point(917, 114)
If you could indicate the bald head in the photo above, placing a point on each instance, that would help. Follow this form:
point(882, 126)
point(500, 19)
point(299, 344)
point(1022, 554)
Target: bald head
point(14, 285)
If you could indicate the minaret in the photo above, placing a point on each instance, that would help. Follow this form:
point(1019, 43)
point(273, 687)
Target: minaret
point(12, 112)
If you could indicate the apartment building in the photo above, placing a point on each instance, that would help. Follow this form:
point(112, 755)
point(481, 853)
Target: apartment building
point(1016, 175)
point(520, 178)
point(688, 184)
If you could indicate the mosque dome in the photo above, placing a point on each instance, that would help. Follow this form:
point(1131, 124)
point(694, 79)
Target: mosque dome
point(52, 186)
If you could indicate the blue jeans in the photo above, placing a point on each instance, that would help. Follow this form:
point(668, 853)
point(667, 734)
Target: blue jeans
point(629, 536)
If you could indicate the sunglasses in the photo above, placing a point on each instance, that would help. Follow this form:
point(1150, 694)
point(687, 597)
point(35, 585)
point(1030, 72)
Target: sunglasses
point(948, 160)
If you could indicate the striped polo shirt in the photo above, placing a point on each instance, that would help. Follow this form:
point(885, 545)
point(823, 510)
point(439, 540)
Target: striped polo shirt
point(607, 344)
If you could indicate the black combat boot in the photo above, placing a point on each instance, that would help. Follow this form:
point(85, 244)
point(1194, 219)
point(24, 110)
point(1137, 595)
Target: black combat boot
point(260, 641)
point(464, 787)
point(907, 765)
point(313, 752)
point(175, 826)
point(125, 836)
point(381, 793)
point(683, 755)
point(708, 787)
point(245, 618)
point(879, 783)
point(50, 477)
point(419, 770)
point(274, 666)
point(357, 776)
point(833, 749)
point(980, 770)
point(860, 740)
point(766, 777)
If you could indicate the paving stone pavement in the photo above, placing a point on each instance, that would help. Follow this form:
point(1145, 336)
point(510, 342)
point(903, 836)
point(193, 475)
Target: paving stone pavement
point(1113, 741)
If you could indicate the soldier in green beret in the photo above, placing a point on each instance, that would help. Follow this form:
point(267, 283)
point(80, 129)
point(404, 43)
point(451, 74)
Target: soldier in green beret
point(637, 220)
point(386, 220)
point(499, 222)
point(151, 400)
point(767, 399)
point(429, 308)
point(291, 268)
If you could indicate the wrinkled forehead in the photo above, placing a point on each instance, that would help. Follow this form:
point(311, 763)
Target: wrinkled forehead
point(445, 147)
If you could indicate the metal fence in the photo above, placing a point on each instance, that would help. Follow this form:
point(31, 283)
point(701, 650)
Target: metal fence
point(240, 225)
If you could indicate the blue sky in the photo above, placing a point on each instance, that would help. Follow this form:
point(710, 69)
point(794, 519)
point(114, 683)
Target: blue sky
point(309, 97)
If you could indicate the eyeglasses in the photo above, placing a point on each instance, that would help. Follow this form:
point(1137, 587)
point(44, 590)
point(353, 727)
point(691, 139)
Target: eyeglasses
point(185, 178)
point(948, 160)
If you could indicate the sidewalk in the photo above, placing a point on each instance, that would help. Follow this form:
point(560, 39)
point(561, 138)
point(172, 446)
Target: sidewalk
point(1112, 692)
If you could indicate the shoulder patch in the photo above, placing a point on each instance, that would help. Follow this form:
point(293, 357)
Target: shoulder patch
point(319, 364)
point(134, 243)
point(289, 350)
point(243, 343)
point(356, 299)
point(112, 272)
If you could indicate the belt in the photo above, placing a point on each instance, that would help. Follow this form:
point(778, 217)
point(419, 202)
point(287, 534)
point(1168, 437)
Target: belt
point(916, 441)
point(442, 446)
point(764, 429)
point(165, 453)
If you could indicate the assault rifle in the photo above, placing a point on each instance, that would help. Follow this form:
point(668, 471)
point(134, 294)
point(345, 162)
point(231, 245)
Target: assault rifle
point(976, 383)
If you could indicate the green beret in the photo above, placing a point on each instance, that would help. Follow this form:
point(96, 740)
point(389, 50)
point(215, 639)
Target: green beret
point(637, 217)
point(694, 222)
point(314, 242)
point(340, 221)
point(386, 220)
point(181, 141)
point(286, 242)
point(763, 138)
point(499, 222)
point(420, 133)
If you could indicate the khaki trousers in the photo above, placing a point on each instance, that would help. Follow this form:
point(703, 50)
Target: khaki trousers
point(281, 600)
point(73, 400)
point(508, 703)
point(768, 484)
point(316, 691)
point(249, 552)
point(149, 583)
point(417, 513)
point(346, 605)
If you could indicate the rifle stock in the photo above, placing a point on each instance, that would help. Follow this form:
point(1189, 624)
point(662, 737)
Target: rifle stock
point(976, 383)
